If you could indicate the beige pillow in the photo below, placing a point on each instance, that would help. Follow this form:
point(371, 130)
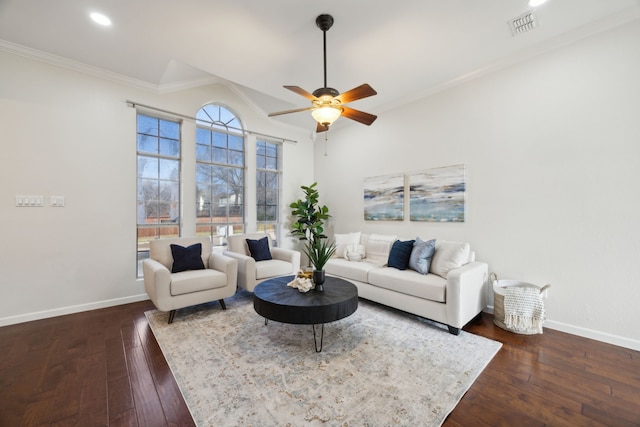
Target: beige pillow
point(448, 256)
point(378, 248)
point(343, 241)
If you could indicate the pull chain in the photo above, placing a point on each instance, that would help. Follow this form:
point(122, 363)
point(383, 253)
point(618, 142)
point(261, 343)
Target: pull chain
point(325, 142)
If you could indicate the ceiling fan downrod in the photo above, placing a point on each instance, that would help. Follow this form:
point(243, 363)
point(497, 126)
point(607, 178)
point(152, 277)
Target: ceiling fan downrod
point(325, 22)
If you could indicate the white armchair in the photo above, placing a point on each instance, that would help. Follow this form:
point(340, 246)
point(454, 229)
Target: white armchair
point(170, 291)
point(251, 272)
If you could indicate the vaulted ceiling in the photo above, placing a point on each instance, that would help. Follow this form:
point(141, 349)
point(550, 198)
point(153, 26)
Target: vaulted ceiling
point(404, 49)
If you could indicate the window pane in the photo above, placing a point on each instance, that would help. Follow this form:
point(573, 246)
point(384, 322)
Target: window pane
point(226, 116)
point(271, 197)
point(147, 144)
point(219, 140)
point(271, 163)
point(203, 136)
point(236, 158)
point(236, 177)
point(169, 147)
point(270, 214)
point(220, 155)
point(219, 175)
point(261, 181)
point(261, 149)
point(147, 167)
point(147, 125)
point(203, 173)
point(169, 129)
point(169, 169)
point(272, 150)
point(261, 197)
point(236, 142)
point(261, 162)
point(203, 153)
point(271, 180)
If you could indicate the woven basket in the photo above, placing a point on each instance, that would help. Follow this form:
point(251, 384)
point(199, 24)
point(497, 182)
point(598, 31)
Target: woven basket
point(498, 301)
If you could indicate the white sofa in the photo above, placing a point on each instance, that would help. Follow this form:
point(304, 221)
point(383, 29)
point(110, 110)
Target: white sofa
point(452, 292)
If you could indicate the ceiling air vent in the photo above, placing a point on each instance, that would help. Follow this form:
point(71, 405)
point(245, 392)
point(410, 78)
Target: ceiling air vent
point(523, 23)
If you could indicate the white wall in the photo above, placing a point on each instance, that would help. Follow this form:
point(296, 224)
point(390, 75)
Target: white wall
point(551, 148)
point(67, 133)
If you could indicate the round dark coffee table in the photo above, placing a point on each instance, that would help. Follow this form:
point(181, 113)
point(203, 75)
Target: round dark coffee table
point(274, 300)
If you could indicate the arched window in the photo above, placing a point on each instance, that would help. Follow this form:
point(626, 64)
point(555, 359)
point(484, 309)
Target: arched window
point(220, 177)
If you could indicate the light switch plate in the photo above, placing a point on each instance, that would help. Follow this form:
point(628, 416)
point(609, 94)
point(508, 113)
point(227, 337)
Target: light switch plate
point(57, 201)
point(30, 201)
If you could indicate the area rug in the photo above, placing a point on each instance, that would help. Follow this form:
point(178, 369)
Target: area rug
point(378, 367)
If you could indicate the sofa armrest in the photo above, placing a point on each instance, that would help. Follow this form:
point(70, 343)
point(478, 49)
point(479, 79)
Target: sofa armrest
point(466, 292)
point(288, 255)
point(246, 269)
point(157, 281)
point(227, 265)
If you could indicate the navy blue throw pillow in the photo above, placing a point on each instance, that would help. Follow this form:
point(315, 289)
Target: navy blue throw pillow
point(400, 254)
point(189, 258)
point(259, 249)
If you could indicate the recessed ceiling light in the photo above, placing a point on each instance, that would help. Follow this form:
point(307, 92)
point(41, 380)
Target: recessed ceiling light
point(536, 3)
point(100, 19)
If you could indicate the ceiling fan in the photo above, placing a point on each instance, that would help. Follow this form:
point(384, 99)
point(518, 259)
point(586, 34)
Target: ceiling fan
point(327, 102)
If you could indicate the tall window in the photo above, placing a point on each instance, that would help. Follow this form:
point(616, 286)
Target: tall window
point(158, 142)
point(268, 187)
point(219, 174)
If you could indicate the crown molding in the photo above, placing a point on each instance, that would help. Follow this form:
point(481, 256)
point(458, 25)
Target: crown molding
point(69, 64)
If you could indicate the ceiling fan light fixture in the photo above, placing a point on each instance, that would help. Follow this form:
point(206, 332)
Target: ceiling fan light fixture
point(326, 114)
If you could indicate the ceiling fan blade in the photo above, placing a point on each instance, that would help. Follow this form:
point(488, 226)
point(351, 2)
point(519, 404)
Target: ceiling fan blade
point(297, 110)
point(362, 91)
point(301, 91)
point(321, 128)
point(358, 116)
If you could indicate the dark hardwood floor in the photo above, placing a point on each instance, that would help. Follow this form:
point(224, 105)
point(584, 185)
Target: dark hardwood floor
point(104, 368)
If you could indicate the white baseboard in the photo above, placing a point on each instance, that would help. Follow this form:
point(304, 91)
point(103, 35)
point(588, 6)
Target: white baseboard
point(587, 333)
point(28, 317)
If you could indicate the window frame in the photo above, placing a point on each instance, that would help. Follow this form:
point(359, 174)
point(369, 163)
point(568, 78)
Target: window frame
point(219, 122)
point(269, 226)
point(172, 226)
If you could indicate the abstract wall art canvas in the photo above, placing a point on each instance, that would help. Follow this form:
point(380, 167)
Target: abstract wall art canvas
point(437, 195)
point(384, 198)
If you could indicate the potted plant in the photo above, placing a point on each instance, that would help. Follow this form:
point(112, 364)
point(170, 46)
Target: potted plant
point(309, 226)
point(310, 216)
point(319, 252)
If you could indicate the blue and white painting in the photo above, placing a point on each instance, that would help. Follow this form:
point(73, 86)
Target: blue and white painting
point(384, 198)
point(437, 195)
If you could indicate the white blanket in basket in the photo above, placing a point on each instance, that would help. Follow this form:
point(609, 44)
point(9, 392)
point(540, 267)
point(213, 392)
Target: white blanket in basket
point(523, 309)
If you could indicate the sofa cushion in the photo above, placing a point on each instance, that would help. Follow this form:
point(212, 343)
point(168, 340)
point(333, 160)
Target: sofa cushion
point(349, 270)
point(410, 282)
point(273, 268)
point(400, 254)
point(449, 255)
point(259, 249)
point(196, 280)
point(378, 247)
point(189, 258)
point(343, 241)
point(421, 255)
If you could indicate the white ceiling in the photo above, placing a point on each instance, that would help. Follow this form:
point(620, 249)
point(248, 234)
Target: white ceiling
point(405, 49)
